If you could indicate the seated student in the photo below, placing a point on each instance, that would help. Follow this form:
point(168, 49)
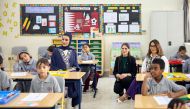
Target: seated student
point(155, 84)
point(4, 79)
point(176, 103)
point(86, 55)
point(49, 53)
point(25, 64)
point(44, 82)
point(181, 54)
point(186, 66)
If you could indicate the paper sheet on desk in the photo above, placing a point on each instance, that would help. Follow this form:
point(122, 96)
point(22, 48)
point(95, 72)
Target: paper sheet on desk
point(19, 74)
point(35, 97)
point(188, 75)
point(89, 61)
point(162, 100)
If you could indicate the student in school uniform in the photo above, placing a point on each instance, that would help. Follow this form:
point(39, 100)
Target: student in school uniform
point(124, 70)
point(49, 53)
point(64, 57)
point(154, 51)
point(5, 83)
point(44, 82)
point(85, 56)
point(186, 66)
point(25, 64)
point(155, 84)
point(181, 54)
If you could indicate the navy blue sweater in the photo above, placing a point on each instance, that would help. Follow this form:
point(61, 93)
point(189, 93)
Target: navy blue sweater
point(57, 62)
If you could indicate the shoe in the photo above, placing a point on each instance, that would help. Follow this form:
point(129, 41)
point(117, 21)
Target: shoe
point(122, 99)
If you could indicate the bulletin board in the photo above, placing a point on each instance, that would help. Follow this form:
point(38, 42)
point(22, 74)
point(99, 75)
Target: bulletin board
point(122, 18)
point(80, 18)
point(39, 19)
point(135, 50)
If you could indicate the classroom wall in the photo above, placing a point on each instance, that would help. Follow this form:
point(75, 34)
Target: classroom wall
point(10, 24)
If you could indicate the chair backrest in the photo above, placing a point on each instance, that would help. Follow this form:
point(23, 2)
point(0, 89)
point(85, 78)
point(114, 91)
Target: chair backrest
point(16, 50)
point(11, 84)
point(1, 51)
point(42, 52)
point(61, 82)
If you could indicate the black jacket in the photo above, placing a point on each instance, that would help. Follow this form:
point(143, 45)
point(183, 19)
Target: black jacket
point(131, 66)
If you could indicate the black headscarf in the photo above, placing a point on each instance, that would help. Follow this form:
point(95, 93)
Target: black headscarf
point(70, 39)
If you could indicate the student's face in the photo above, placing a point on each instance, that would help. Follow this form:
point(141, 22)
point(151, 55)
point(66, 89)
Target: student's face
point(42, 69)
point(153, 48)
point(65, 41)
point(182, 53)
point(124, 50)
point(155, 70)
point(25, 57)
point(86, 48)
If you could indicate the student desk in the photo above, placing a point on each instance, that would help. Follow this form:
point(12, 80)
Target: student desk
point(147, 102)
point(95, 78)
point(70, 77)
point(180, 77)
point(48, 102)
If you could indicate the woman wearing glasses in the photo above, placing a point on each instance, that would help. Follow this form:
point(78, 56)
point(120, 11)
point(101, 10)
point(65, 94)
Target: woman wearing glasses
point(64, 57)
point(124, 70)
point(154, 51)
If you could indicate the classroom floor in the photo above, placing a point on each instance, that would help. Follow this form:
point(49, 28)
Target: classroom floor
point(105, 98)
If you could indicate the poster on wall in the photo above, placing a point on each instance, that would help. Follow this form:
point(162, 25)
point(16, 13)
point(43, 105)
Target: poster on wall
point(135, 50)
point(122, 18)
point(39, 19)
point(79, 19)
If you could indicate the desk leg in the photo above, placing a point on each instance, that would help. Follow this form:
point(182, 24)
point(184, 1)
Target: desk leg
point(95, 80)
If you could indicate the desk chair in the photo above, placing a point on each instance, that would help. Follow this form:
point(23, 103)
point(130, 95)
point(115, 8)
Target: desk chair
point(16, 50)
point(1, 50)
point(42, 52)
point(61, 82)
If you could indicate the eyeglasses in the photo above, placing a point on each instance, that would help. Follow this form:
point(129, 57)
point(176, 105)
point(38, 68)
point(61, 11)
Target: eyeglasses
point(65, 39)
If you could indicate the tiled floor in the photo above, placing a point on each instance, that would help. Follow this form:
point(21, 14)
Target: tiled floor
point(105, 98)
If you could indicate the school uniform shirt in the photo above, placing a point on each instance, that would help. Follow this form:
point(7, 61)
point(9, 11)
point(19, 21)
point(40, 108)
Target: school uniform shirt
point(86, 56)
point(25, 67)
point(4, 80)
point(163, 86)
point(186, 66)
point(177, 56)
point(148, 61)
point(48, 85)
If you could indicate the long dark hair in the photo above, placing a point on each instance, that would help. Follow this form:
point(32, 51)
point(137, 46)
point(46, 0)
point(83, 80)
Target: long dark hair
point(158, 48)
point(127, 45)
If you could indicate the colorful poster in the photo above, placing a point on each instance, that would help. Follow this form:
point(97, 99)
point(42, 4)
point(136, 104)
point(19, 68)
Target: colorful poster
point(38, 19)
point(44, 21)
point(80, 19)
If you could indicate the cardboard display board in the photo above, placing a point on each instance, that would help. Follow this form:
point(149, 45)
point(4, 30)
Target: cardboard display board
point(80, 18)
point(39, 19)
point(122, 18)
